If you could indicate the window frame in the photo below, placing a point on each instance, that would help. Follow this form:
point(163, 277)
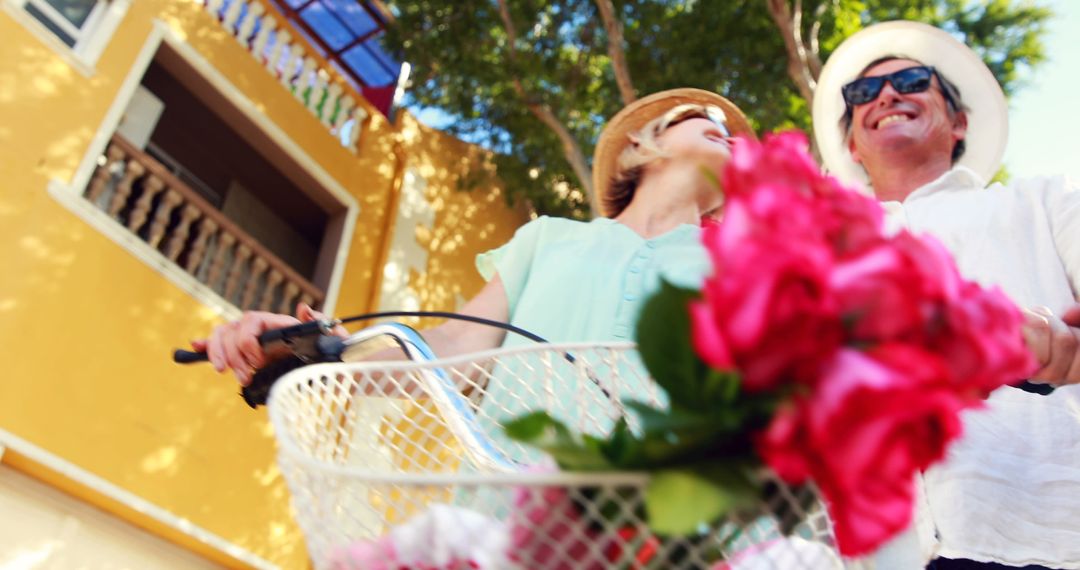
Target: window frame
point(90, 38)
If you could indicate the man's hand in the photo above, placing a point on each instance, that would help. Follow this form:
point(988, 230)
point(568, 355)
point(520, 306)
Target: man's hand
point(235, 345)
point(1055, 342)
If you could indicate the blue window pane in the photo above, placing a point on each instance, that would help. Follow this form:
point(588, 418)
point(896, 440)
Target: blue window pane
point(295, 3)
point(75, 11)
point(354, 15)
point(371, 72)
point(41, 17)
point(376, 48)
point(327, 26)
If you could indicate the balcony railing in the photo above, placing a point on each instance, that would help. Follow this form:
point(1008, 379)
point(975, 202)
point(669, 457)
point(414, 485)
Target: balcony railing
point(142, 195)
point(296, 64)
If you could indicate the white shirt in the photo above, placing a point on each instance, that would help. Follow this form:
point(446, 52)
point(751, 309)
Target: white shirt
point(1009, 490)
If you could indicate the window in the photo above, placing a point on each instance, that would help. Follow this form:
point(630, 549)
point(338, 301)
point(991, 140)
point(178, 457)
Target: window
point(349, 33)
point(70, 20)
point(83, 27)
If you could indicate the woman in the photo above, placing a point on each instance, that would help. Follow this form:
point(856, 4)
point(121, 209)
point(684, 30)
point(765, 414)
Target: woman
point(656, 166)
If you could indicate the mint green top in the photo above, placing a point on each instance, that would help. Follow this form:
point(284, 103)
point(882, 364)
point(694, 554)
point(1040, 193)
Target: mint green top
point(570, 281)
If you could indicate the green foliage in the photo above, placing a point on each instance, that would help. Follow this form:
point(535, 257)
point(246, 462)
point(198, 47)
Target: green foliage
point(461, 65)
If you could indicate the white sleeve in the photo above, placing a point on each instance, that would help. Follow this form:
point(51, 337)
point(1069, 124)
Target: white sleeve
point(1063, 207)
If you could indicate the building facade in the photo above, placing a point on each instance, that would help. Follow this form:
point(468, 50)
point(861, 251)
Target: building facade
point(166, 164)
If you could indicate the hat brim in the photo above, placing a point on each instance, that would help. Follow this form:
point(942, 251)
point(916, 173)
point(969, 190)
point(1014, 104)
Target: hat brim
point(615, 136)
point(988, 117)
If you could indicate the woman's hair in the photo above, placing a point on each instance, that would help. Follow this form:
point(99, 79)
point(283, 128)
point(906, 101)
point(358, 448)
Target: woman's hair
point(643, 149)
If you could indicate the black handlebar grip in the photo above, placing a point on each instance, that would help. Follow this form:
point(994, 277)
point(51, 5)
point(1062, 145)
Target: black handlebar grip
point(181, 356)
point(310, 328)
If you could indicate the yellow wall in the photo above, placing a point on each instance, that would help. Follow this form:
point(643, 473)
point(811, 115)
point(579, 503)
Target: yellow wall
point(87, 328)
point(469, 218)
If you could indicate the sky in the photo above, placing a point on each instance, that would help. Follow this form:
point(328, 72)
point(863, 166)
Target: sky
point(1044, 116)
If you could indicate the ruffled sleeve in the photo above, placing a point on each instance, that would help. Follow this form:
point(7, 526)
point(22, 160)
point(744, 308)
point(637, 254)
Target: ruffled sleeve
point(513, 260)
point(1064, 209)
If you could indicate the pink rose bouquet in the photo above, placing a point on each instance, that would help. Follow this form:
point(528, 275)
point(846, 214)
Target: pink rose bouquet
point(871, 343)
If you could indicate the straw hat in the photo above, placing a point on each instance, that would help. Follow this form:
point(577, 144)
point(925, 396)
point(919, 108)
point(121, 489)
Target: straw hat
point(988, 118)
point(615, 136)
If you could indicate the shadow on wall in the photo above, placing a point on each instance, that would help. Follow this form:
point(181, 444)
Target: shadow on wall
point(466, 221)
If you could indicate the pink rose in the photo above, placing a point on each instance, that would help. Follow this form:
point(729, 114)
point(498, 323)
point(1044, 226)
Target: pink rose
point(767, 310)
point(781, 159)
point(896, 289)
point(876, 419)
point(982, 340)
point(850, 220)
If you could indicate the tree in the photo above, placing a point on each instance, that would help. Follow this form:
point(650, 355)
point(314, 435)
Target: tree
point(535, 80)
point(1007, 37)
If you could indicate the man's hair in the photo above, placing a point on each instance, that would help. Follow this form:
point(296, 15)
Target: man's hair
point(949, 91)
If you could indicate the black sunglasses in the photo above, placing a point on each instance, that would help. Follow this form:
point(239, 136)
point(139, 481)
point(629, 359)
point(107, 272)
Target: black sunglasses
point(911, 80)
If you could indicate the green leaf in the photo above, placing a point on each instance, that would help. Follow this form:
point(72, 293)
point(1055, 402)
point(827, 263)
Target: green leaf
point(572, 451)
point(719, 388)
point(680, 437)
point(663, 337)
point(621, 447)
point(679, 502)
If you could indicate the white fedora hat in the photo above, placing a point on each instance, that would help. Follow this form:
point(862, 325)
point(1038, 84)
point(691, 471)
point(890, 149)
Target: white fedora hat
point(988, 117)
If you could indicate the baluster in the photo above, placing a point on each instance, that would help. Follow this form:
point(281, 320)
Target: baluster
point(291, 292)
point(243, 253)
point(272, 282)
point(113, 155)
point(304, 79)
point(225, 244)
point(332, 94)
point(290, 65)
point(171, 200)
point(281, 49)
point(269, 23)
point(206, 229)
point(214, 6)
point(151, 188)
point(232, 15)
point(247, 25)
point(317, 90)
point(347, 103)
point(258, 267)
point(359, 117)
point(181, 233)
point(123, 189)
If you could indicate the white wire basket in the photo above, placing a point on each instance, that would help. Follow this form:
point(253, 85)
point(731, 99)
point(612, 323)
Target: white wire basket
point(404, 465)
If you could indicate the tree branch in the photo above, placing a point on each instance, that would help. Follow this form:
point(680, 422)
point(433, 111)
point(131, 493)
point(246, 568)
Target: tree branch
point(571, 149)
point(615, 50)
point(798, 68)
point(815, 32)
point(508, 24)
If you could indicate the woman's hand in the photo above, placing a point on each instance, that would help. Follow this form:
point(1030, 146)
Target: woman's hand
point(235, 345)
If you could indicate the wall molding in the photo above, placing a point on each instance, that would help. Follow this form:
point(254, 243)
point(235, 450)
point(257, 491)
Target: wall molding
point(34, 461)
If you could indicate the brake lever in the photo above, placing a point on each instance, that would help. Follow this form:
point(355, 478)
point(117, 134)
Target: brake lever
point(301, 340)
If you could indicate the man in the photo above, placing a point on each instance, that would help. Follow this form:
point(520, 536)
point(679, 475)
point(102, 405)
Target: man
point(916, 117)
